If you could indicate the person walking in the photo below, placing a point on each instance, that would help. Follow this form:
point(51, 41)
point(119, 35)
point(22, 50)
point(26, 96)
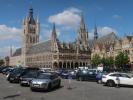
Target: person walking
point(118, 81)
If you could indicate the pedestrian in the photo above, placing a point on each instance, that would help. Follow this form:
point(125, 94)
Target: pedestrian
point(99, 77)
point(118, 81)
point(69, 81)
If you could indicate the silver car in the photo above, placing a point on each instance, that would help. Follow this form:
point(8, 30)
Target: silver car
point(45, 81)
point(27, 77)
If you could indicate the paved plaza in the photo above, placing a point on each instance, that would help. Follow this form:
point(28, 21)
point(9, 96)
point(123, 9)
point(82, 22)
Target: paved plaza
point(79, 91)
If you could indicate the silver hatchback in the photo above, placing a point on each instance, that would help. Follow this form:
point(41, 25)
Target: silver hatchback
point(45, 81)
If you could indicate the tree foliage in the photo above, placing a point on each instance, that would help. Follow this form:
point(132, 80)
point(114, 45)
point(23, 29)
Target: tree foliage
point(96, 60)
point(1, 62)
point(109, 61)
point(121, 60)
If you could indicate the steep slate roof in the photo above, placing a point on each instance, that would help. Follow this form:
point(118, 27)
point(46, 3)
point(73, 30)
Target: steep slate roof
point(40, 47)
point(17, 52)
point(109, 37)
point(46, 46)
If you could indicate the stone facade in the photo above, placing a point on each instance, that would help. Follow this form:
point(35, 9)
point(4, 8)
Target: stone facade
point(127, 46)
point(110, 45)
point(51, 53)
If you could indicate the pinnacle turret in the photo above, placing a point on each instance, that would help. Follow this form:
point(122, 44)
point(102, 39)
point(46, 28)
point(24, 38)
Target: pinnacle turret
point(82, 24)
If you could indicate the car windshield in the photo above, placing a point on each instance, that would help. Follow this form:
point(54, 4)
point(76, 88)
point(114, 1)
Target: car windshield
point(17, 70)
point(30, 74)
point(44, 76)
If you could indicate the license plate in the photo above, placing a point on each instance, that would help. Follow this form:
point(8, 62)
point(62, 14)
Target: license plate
point(24, 81)
point(11, 78)
point(36, 85)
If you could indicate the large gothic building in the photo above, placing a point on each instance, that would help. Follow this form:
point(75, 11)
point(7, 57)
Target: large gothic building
point(55, 54)
point(51, 53)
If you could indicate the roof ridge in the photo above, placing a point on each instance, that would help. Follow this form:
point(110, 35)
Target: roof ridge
point(41, 42)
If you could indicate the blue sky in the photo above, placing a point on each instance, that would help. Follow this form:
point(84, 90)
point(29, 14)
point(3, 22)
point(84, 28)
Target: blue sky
point(108, 15)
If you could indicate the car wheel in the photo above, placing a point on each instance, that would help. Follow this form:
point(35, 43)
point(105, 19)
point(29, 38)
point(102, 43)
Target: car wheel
point(49, 87)
point(32, 89)
point(10, 81)
point(110, 83)
point(59, 84)
point(21, 84)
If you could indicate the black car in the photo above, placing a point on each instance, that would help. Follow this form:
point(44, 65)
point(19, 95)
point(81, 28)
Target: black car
point(2, 68)
point(7, 70)
point(18, 72)
point(26, 78)
point(86, 75)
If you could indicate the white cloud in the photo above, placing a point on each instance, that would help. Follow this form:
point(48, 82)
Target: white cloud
point(7, 33)
point(8, 36)
point(105, 30)
point(68, 18)
point(102, 31)
point(46, 32)
point(116, 16)
point(5, 50)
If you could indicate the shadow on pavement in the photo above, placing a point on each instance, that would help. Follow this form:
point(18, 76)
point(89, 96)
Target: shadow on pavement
point(54, 89)
point(11, 96)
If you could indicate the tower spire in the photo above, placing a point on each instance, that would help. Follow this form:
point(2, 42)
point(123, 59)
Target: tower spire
point(54, 39)
point(54, 32)
point(30, 16)
point(82, 38)
point(30, 11)
point(82, 24)
point(10, 51)
point(95, 33)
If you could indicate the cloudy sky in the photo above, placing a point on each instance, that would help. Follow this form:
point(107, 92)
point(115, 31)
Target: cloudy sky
point(109, 16)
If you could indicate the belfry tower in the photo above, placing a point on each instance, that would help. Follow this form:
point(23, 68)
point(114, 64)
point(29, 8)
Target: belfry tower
point(30, 33)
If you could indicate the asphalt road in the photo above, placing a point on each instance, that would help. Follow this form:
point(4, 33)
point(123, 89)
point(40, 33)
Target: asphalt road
point(79, 91)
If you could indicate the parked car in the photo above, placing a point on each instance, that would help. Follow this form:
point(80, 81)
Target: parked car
point(99, 76)
point(73, 74)
point(86, 74)
point(111, 79)
point(18, 72)
point(45, 81)
point(46, 69)
point(27, 78)
point(64, 74)
point(7, 70)
point(2, 68)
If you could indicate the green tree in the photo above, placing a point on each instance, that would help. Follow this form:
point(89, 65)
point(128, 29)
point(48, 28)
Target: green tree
point(121, 60)
point(96, 60)
point(104, 61)
point(1, 62)
point(110, 61)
